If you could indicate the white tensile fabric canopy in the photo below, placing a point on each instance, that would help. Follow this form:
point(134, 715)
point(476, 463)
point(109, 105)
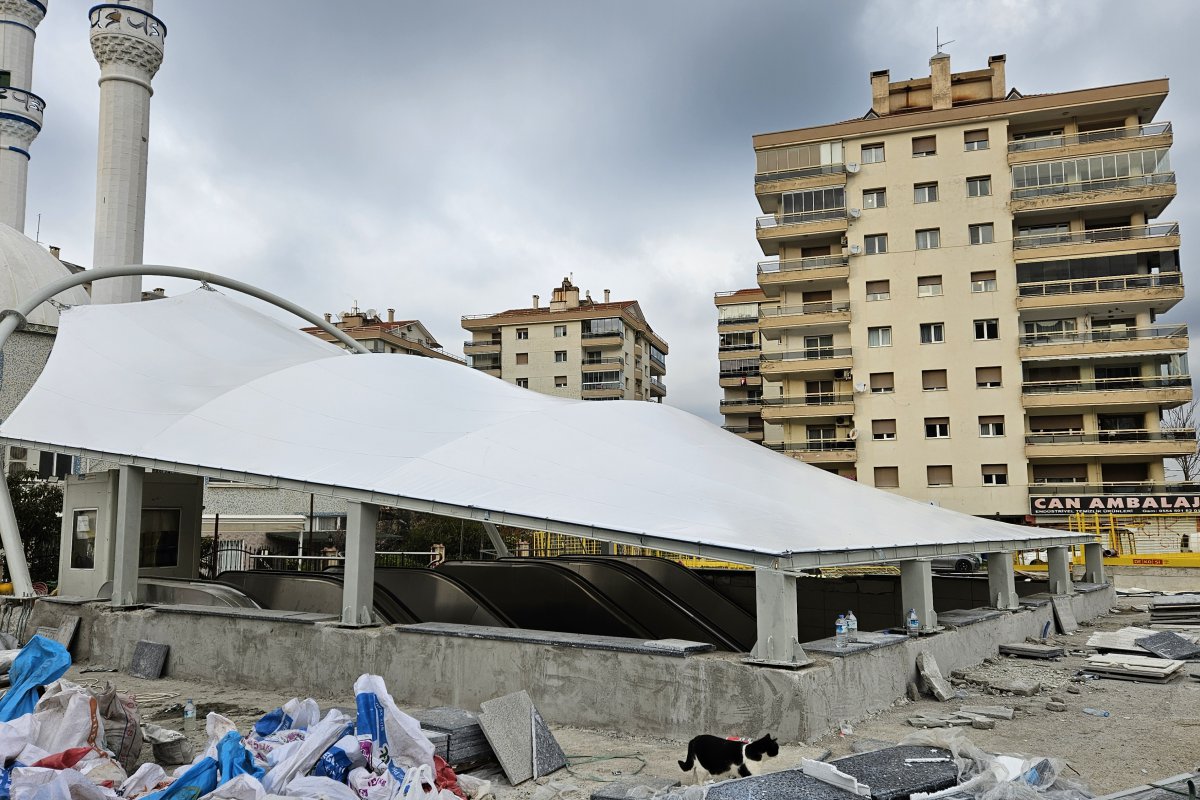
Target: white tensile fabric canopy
point(203, 384)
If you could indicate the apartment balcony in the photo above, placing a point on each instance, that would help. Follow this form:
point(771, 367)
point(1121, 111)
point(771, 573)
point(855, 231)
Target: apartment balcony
point(742, 406)
point(657, 387)
point(475, 346)
point(23, 107)
point(596, 364)
point(733, 380)
point(1103, 342)
point(775, 228)
point(1158, 292)
point(603, 390)
point(754, 434)
point(809, 360)
point(817, 405)
point(1128, 488)
point(1023, 151)
point(490, 367)
point(603, 339)
point(658, 365)
point(768, 186)
point(1096, 242)
point(825, 451)
point(1148, 392)
point(1150, 193)
point(1077, 444)
point(816, 272)
point(809, 317)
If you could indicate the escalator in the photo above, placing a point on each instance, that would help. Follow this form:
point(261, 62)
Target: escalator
point(318, 592)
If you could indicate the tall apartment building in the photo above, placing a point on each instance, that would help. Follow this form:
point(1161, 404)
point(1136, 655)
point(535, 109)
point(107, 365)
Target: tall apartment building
point(390, 335)
point(576, 347)
point(964, 297)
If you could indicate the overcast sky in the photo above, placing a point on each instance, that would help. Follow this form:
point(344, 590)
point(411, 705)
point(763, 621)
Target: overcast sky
point(455, 158)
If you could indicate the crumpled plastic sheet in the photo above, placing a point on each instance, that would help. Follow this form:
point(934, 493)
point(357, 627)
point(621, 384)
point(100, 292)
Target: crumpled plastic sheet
point(984, 776)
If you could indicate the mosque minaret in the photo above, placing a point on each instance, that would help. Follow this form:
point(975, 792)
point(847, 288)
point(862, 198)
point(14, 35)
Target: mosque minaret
point(20, 109)
point(127, 41)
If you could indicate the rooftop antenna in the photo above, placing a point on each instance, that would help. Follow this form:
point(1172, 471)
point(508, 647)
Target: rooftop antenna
point(937, 37)
point(37, 237)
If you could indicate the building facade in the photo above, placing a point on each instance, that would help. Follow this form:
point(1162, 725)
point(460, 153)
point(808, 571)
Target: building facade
point(380, 335)
point(575, 348)
point(964, 294)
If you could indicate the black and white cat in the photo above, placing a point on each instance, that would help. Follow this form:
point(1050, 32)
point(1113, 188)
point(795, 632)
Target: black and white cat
point(717, 756)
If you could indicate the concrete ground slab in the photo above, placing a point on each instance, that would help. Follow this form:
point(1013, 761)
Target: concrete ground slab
point(670, 647)
point(894, 773)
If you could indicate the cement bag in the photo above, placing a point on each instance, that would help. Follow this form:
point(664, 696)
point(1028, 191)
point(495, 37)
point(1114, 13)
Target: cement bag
point(15, 735)
point(319, 739)
point(369, 786)
point(336, 762)
point(40, 662)
point(122, 725)
point(68, 717)
point(386, 733)
point(198, 780)
point(104, 770)
point(234, 759)
point(243, 787)
point(266, 749)
point(318, 788)
point(295, 714)
point(35, 783)
point(148, 778)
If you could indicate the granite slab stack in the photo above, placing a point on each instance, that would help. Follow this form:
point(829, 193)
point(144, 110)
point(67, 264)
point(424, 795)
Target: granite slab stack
point(1168, 644)
point(1176, 611)
point(465, 743)
point(440, 742)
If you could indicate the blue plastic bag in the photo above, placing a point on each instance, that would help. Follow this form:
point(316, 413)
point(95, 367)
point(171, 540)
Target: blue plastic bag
point(40, 662)
point(336, 762)
point(196, 782)
point(234, 759)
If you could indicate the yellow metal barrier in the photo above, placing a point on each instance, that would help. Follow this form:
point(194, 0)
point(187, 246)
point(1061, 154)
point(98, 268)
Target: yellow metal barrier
point(547, 545)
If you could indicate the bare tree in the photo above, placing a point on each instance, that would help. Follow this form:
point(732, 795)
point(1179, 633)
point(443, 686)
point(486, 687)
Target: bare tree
point(1184, 416)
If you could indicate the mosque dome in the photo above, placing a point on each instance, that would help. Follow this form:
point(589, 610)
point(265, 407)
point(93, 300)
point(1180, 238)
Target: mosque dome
point(24, 267)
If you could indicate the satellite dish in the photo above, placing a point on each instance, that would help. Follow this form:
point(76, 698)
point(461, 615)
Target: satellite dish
point(860, 387)
point(855, 213)
point(855, 249)
point(371, 312)
point(853, 434)
point(852, 167)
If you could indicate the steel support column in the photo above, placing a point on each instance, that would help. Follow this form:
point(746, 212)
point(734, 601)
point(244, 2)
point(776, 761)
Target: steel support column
point(127, 536)
point(358, 590)
point(916, 592)
point(1058, 570)
point(1002, 584)
point(778, 621)
point(1093, 563)
point(493, 534)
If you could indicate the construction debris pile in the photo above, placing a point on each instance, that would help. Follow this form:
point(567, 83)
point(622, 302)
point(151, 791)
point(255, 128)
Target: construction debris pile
point(1144, 654)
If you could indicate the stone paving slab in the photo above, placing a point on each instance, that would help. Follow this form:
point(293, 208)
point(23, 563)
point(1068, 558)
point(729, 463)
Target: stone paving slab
point(789, 784)
point(148, 659)
point(620, 790)
point(867, 640)
point(961, 617)
point(678, 648)
point(520, 738)
point(1168, 644)
point(892, 775)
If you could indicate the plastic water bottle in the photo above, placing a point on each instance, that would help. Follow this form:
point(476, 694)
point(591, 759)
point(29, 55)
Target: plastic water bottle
point(851, 627)
point(839, 636)
point(914, 622)
point(189, 715)
point(1096, 712)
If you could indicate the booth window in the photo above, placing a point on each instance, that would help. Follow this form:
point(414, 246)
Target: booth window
point(83, 539)
point(160, 537)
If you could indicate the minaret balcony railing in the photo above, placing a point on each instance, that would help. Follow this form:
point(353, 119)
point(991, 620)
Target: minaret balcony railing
point(22, 103)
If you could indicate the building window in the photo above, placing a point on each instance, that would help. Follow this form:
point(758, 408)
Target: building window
point(925, 192)
point(986, 329)
point(879, 337)
point(933, 380)
point(982, 234)
point(83, 539)
point(560, 356)
point(984, 281)
point(54, 465)
point(874, 198)
point(522, 359)
point(929, 286)
point(939, 475)
point(875, 243)
point(883, 383)
point(160, 537)
point(879, 290)
point(883, 430)
point(924, 146)
point(5, 78)
point(980, 186)
point(522, 333)
point(987, 377)
point(887, 477)
point(523, 383)
point(560, 381)
point(937, 427)
point(975, 140)
point(933, 333)
point(560, 331)
point(991, 426)
point(995, 474)
point(929, 239)
point(872, 153)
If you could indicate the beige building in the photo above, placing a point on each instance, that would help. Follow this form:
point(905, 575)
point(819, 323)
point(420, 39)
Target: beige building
point(963, 297)
point(406, 336)
point(575, 347)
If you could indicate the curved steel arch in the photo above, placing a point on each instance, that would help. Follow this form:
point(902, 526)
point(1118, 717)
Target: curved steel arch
point(14, 318)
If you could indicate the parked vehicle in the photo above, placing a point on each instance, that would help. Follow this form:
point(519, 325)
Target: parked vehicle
point(963, 562)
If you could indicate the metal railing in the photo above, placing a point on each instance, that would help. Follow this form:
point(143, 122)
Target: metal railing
point(1078, 187)
point(724, 348)
point(656, 383)
point(1119, 283)
point(1105, 335)
point(810, 399)
point(603, 386)
point(803, 172)
point(747, 317)
point(740, 373)
point(487, 365)
point(1097, 235)
point(1108, 384)
point(755, 402)
point(591, 362)
point(1053, 486)
point(800, 218)
point(661, 364)
point(603, 334)
point(813, 446)
point(1106, 437)
point(809, 354)
point(812, 262)
point(1107, 135)
point(823, 307)
point(481, 343)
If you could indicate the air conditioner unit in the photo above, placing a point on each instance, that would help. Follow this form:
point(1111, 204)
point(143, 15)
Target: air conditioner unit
point(845, 241)
point(843, 422)
point(844, 375)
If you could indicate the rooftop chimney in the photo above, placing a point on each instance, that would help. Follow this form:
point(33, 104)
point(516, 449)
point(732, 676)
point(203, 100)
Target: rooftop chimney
point(536, 298)
point(880, 103)
point(328, 317)
point(939, 76)
point(607, 294)
point(56, 251)
point(391, 315)
point(999, 90)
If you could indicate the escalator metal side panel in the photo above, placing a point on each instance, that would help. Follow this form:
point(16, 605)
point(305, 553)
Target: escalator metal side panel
point(541, 596)
point(317, 592)
point(436, 597)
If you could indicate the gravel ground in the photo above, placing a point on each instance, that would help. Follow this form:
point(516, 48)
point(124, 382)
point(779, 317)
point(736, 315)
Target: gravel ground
point(1153, 731)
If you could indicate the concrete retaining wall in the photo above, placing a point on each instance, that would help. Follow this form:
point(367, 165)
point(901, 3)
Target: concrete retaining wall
point(649, 694)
